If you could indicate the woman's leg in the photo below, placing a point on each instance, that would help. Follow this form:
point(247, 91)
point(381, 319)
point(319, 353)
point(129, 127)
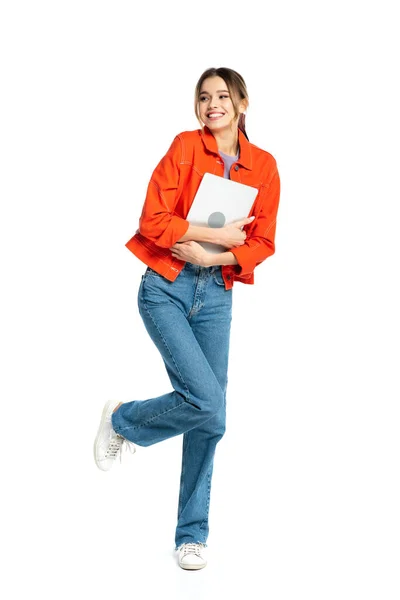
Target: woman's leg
point(211, 327)
point(197, 396)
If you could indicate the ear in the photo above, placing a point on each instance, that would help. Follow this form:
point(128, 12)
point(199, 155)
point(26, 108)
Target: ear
point(243, 106)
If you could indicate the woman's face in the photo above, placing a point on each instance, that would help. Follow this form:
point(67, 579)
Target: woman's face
point(215, 105)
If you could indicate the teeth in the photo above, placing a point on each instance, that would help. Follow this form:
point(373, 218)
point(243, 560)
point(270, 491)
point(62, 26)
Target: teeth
point(215, 115)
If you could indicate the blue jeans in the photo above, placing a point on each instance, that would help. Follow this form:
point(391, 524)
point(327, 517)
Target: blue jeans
point(189, 321)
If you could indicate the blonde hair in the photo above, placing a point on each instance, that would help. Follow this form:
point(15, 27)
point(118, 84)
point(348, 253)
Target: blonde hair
point(237, 91)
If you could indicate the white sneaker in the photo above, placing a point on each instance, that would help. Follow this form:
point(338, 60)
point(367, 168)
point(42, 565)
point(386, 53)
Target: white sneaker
point(191, 556)
point(108, 443)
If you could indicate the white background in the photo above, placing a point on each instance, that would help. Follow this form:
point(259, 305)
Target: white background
point(306, 483)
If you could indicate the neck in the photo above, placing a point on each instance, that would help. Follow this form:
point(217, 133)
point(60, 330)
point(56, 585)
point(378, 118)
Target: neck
point(227, 142)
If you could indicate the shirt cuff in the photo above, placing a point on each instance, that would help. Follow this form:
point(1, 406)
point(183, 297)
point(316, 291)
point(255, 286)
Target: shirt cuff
point(246, 259)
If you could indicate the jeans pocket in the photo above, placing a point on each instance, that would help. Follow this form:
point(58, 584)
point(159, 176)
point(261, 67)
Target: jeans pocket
point(217, 274)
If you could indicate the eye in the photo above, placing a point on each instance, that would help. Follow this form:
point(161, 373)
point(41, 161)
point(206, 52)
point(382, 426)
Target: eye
point(202, 98)
point(224, 96)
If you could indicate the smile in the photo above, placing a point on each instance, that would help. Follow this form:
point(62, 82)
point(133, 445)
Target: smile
point(215, 115)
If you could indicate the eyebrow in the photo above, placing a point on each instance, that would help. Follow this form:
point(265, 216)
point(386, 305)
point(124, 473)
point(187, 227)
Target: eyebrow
point(218, 92)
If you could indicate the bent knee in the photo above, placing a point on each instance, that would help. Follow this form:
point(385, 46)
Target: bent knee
point(208, 403)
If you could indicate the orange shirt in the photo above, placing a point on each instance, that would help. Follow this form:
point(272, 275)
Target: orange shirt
point(172, 188)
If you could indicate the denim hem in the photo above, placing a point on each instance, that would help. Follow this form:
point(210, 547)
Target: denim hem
point(114, 422)
point(190, 542)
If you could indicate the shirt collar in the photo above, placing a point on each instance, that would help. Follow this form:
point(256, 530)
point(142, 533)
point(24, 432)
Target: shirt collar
point(245, 158)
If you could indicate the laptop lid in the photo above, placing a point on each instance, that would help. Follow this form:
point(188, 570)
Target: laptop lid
point(218, 202)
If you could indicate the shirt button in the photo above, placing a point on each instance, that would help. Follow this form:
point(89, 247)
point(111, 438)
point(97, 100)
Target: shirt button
point(228, 277)
point(236, 167)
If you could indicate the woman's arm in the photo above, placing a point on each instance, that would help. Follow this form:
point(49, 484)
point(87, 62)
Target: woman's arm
point(200, 234)
point(195, 253)
point(229, 236)
point(260, 244)
point(225, 258)
point(158, 222)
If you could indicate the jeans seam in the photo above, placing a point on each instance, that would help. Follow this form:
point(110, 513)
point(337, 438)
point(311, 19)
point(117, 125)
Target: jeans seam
point(134, 427)
point(208, 501)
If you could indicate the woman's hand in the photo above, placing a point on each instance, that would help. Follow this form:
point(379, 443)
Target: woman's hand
point(232, 236)
point(190, 252)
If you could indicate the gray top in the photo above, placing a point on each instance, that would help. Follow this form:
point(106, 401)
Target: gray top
point(228, 162)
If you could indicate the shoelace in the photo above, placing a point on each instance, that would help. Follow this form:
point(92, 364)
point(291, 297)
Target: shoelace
point(117, 442)
point(191, 548)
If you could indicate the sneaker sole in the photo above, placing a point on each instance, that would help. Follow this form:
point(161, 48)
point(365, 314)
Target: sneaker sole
point(192, 567)
point(102, 421)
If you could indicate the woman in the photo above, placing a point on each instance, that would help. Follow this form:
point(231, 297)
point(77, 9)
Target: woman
point(185, 296)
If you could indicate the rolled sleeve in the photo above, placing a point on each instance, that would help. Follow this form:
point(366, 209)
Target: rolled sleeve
point(158, 221)
point(260, 243)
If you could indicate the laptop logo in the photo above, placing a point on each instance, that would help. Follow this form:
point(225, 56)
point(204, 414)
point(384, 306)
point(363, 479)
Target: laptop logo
point(216, 219)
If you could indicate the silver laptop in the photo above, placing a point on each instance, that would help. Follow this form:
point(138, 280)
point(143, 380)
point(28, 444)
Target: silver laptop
point(218, 202)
